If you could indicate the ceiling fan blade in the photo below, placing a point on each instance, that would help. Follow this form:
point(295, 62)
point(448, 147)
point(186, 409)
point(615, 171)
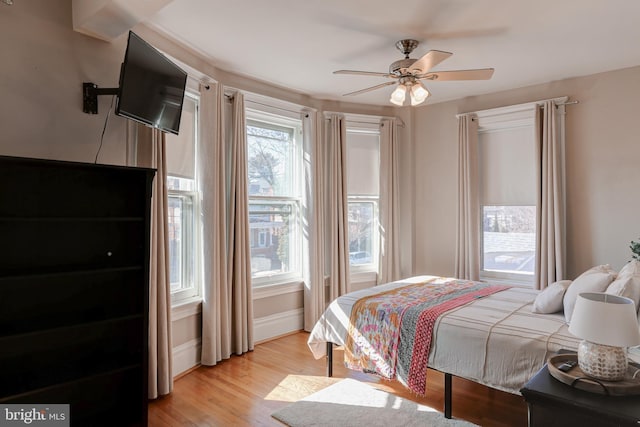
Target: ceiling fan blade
point(429, 60)
point(357, 92)
point(364, 73)
point(443, 76)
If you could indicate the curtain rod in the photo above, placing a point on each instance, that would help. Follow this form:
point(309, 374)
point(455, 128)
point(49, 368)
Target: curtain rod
point(401, 124)
point(537, 103)
point(398, 120)
point(276, 107)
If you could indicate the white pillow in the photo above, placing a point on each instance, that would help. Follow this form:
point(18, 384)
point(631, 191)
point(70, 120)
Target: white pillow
point(596, 279)
point(550, 299)
point(627, 284)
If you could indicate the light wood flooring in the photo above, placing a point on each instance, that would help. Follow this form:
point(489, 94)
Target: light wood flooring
point(245, 390)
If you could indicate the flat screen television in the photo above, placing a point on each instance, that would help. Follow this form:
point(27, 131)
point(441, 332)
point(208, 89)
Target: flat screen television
point(151, 87)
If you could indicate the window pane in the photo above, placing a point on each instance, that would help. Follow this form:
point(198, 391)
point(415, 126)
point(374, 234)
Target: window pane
point(509, 238)
point(181, 242)
point(361, 220)
point(271, 228)
point(270, 153)
point(175, 240)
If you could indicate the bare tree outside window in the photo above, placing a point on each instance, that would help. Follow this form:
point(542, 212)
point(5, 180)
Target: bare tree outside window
point(273, 203)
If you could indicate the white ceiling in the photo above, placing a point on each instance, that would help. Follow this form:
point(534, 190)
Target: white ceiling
point(298, 44)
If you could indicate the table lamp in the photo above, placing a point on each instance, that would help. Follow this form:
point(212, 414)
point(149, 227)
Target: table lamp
point(607, 325)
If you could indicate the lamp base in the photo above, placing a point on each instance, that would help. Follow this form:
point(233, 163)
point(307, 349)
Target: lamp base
point(602, 361)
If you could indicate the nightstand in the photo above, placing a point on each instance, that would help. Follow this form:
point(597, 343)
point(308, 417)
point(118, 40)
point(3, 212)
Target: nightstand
point(553, 403)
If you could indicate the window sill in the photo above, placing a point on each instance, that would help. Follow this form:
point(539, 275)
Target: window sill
point(275, 289)
point(364, 277)
point(186, 308)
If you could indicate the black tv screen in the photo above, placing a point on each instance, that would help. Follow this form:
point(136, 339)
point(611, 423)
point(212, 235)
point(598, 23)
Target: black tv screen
point(151, 87)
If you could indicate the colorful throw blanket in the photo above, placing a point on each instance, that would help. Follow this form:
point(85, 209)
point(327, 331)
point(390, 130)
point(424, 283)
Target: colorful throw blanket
point(390, 333)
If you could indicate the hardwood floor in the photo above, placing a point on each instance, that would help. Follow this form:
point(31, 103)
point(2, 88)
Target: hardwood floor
point(245, 390)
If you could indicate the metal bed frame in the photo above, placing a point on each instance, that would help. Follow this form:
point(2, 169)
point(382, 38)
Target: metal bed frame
point(447, 381)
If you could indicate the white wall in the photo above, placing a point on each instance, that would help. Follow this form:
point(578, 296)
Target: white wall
point(43, 66)
point(602, 170)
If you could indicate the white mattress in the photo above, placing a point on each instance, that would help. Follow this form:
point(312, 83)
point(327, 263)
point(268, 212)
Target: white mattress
point(496, 341)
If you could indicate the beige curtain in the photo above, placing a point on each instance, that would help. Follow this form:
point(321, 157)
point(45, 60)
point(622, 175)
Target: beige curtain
point(227, 310)
point(150, 153)
point(389, 265)
point(550, 241)
point(238, 249)
point(467, 260)
point(216, 341)
point(313, 214)
point(338, 209)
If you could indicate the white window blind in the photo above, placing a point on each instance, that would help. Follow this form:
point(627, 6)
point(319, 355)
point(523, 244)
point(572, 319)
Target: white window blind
point(507, 165)
point(180, 149)
point(363, 163)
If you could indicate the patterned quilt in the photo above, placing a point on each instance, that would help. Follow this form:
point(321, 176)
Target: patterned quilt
point(390, 333)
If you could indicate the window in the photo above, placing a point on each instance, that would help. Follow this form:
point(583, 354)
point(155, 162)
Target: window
point(184, 231)
point(363, 183)
point(507, 162)
point(273, 157)
point(509, 239)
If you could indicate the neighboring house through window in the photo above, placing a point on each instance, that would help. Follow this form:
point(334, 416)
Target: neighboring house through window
point(274, 181)
point(363, 193)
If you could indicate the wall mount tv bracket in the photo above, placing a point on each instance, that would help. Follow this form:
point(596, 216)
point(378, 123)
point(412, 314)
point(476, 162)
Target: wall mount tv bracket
point(90, 94)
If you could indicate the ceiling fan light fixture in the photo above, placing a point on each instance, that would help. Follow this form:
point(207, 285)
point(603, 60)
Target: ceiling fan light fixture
point(398, 95)
point(419, 94)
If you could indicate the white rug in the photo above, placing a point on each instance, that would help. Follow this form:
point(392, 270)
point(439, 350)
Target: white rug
point(353, 403)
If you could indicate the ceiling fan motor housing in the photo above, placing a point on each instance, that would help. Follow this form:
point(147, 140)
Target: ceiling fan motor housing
point(400, 67)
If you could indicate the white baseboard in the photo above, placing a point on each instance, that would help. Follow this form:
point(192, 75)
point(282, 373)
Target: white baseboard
point(186, 356)
point(278, 324)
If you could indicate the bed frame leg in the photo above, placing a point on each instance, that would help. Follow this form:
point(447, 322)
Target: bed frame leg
point(447, 395)
point(329, 359)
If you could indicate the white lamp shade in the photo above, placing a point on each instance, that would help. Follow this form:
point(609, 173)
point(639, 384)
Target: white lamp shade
point(605, 319)
point(397, 96)
point(418, 94)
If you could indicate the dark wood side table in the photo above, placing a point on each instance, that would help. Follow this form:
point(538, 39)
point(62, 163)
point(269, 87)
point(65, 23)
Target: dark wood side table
point(553, 403)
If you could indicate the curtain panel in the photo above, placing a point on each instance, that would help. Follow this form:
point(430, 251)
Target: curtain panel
point(389, 262)
point(150, 152)
point(550, 198)
point(338, 208)
point(314, 220)
point(239, 292)
point(227, 307)
point(467, 260)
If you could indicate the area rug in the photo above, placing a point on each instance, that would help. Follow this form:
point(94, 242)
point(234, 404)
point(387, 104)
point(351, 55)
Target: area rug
point(353, 403)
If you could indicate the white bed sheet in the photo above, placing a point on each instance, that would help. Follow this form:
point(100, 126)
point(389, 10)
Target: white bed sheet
point(495, 341)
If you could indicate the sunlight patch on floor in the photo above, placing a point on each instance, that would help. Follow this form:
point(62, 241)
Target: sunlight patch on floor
point(295, 387)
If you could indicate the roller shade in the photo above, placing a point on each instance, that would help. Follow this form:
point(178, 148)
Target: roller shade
point(363, 163)
point(181, 149)
point(507, 167)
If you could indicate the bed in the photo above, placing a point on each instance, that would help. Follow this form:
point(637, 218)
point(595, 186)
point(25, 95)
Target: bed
point(494, 339)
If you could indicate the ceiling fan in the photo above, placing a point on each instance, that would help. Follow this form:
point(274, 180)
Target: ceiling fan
point(408, 73)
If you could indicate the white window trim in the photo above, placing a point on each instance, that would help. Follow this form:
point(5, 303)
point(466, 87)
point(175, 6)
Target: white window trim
point(510, 117)
point(193, 295)
point(361, 124)
point(271, 115)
